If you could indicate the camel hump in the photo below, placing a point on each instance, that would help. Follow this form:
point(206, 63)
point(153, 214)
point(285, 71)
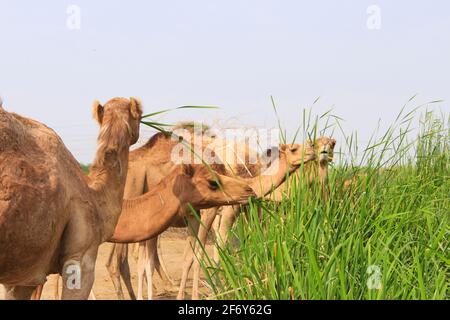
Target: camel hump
point(29, 151)
point(191, 125)
point(20, 134)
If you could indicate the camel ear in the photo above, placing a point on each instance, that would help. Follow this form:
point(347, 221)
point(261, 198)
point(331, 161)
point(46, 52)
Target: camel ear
point(136, 108)
point(97, 112)
point(333, 142)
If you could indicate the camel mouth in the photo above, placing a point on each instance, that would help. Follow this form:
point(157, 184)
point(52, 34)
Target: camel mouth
point(323, 156)
point(241, 197)
point(244, 200)
point(305, 159)
point(250, 193)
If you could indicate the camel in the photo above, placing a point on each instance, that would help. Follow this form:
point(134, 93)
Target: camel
point(52, 217)
point(314, 171)
point(187, 187)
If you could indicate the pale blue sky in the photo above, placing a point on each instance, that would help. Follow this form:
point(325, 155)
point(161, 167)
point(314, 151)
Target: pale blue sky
point(233, 54)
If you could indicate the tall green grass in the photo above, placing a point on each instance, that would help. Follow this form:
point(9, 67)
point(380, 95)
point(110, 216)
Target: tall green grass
point(385, 237)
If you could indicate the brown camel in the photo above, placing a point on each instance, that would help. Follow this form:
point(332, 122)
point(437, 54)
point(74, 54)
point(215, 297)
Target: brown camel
point(52, 217)
point(187, 186)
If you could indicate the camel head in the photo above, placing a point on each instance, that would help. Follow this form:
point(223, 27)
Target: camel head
point(119, 120)
point(324, 149)
point(202, 187)
point(296, 154)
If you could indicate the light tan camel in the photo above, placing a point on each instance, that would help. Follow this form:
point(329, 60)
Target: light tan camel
point(314, 171)
point(284, 162)
point(52, 217)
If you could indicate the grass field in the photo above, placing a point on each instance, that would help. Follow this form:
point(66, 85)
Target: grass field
point(385, 237)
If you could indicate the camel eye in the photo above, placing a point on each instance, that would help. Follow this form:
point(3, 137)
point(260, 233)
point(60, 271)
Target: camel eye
point(213, 184)
point(294, 149)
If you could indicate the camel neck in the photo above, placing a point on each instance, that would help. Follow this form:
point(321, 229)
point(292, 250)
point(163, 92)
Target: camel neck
point(147, 216)
point(107, 177)
point(323, 171)
point(272, 177)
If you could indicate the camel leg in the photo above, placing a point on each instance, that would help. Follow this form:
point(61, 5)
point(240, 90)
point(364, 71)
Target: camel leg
point(78, 276)
point(124, 269)
point(216, 227)
point(56, 294)
point(229, 214)
point(92, 295)
point(117, 266)
point(37, 293)
point(113, 267)
point(168, 282)
point(141, 269)
point(150, 267)
point(19, 292)
point(208, 217)
point(146, 267)
point(135, 250)
point(188, 257)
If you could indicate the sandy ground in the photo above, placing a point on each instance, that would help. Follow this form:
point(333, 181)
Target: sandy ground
point(172, 244)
